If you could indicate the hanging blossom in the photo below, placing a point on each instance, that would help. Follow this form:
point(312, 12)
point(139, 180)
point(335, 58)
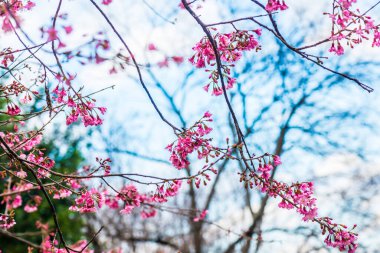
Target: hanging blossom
point(202, 176)
point(104, 165)
point(6, 221)
point(7, 57)
point(276, 5)
point(13, 110)
point(33, 204)
point(16, 201)
point(88, 202)
point(299, 196)
point(339, 236)
point(106, 2)
point(25, 146)
point(167, 190)
point(201, 216)
point(23, 141)
point(351, 27)
point(10, 10)
point(190, 140)
point(62, 193)
point(132, 198)
point(51, 245)
point(81, 107)
point(13, 203)
point(15, 89)
point(230, 47)
point(127, 199)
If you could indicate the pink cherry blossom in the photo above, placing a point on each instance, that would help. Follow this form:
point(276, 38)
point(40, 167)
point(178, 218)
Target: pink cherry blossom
point(68, 29)
point(230, 47)
point(189, 141)
point(276, 160)
point(106, 2)
point(152, 47)
point(30, 209)
point(6, 221)
point(52, 33)
point(276, 5)
point(88, 202)
point(13, 110)
point(201, 217)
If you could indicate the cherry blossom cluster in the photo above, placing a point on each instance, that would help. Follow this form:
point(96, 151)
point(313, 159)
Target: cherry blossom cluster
point(24, 144)
point(9, 10)
point(51, 33)
point(88, 202)
point(97, 45)
point(276, 5)
point(101, 45)
point(81, 107)
point(298, 196)
point(104, 164)
point(13, 109)
point(6, 221)
point(350, 27)
point(131, 198)
point(27, 159)
point(338, 236)
point(16, 89)
point(13, 203)
point(202, 177)
point(127, 199)
point(230, 47)
point(190, 140)
point(51, 245)
point(266, 168)
point(164, 191)
point(7, 57)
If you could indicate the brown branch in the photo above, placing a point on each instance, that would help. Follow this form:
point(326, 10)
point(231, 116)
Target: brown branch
point(20, 239)
point(136, 66)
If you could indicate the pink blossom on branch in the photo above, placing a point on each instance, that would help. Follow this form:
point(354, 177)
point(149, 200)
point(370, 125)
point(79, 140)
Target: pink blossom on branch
point(22, 146)
point(88, 202)
point(6, 221)
point(106, 2)
point(299, 196)
point(276, 5)
point(230, 47)
point(13, 110)
point(190, 140)
point(350, 27)
point(201, 216)
point(52, 34)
